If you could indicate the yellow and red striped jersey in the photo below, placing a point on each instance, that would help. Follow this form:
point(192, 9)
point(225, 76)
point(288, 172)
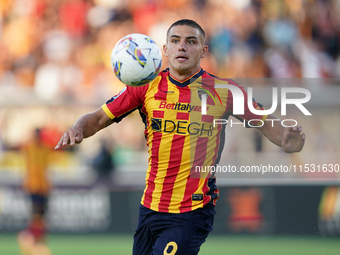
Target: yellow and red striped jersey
point(179, 136)
point(37, 161)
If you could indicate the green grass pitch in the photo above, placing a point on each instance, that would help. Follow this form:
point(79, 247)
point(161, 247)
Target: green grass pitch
point(215, 244)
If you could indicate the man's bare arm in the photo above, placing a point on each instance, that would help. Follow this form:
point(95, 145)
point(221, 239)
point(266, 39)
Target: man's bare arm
point(289, 138)
point(86, 126)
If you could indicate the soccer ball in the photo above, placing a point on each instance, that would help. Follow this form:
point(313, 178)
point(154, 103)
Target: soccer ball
point(136, 60)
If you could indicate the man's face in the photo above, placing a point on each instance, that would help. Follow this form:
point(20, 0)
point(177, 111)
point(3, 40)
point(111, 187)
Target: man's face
point(184, 49)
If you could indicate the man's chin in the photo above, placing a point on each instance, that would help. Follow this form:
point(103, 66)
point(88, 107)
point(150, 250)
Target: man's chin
point(181, 68)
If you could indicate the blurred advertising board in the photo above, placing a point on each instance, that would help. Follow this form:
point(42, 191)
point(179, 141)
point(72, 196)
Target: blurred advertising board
point(251, 210)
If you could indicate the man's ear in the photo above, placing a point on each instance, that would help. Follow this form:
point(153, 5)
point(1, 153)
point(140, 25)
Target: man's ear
point(204, 51)
point(165, 49)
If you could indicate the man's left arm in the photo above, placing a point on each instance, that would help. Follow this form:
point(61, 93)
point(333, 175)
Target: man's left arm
point(291, 139)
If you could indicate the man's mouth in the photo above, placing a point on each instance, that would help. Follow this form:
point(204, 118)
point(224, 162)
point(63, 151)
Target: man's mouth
point(181, 58)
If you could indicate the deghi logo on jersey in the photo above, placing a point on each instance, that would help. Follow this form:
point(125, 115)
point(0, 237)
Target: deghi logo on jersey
point(181, 127)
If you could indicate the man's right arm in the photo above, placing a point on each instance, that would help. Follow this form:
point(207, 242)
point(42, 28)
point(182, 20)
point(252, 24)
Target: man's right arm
point(86, 126)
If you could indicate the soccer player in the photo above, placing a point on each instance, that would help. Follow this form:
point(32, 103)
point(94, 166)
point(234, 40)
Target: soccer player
point(177, 211)
point(37, 155)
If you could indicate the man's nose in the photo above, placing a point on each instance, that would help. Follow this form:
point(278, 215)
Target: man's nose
point(181, 46)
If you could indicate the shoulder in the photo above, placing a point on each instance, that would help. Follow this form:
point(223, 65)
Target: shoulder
point(161, 78)
point(227, 80)
point(141, 91)
point(163, 75)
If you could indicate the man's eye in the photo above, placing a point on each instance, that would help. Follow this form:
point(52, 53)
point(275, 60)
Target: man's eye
point(175, 41)
point(191, 42)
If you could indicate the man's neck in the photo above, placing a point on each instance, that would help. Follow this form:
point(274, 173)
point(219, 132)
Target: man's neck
point(182, 76)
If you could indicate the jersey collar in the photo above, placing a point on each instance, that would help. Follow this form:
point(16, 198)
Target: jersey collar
point(187, 81)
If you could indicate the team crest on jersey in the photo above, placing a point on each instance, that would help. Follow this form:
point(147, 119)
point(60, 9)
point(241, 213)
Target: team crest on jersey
point(208, 91)
point(201, 92)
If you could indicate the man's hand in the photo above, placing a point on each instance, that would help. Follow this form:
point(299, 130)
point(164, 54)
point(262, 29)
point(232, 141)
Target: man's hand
point(86, 126)
point(292, 139)
point(71, 136)
point(289, 138)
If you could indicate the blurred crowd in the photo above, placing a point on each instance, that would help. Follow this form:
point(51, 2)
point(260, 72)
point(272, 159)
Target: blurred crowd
point(61, 48)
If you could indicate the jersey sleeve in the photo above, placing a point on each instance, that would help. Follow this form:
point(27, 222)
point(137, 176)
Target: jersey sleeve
point(255, 119)
point(125, 102)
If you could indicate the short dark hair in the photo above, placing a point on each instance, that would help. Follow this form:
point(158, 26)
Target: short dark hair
point(187, 22)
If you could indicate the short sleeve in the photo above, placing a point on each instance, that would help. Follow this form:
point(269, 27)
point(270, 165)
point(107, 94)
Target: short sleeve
point(125, 102)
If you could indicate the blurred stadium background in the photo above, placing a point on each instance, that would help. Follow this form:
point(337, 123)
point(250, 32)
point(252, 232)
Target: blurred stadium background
point(55, 66)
